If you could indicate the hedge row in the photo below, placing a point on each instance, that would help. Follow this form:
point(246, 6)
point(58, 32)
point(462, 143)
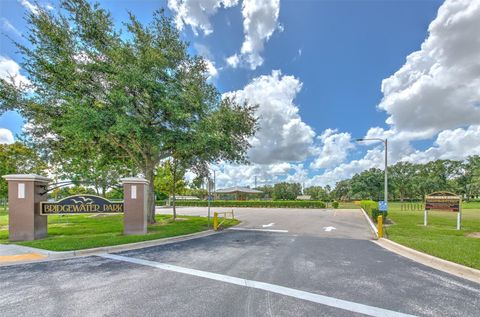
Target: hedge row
point(253, 203)
point(371, 207)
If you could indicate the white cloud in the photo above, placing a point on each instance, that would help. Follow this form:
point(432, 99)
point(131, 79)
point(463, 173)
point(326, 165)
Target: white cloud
point(373, 158)
point(229, 175)
point(10, 69)
point(7, 26)
point(212, 71)
point(196, 13)
point(282, 135)
point(204, 51)
point(6, 136)
point(334, 149)
point(29, 6)
point(453, 144)
point(439, 86)
point(233, 61)
point(260, 20)
point(436, 93)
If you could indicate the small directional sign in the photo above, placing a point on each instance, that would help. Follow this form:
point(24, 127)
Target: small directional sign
point(382, 205)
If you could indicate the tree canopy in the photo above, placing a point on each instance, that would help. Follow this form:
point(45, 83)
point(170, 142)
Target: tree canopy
point(133, 93)
point(16, 158)
point(410, 181)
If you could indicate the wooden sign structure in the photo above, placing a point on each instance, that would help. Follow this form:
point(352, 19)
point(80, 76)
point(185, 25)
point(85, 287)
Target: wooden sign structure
point(445, 201)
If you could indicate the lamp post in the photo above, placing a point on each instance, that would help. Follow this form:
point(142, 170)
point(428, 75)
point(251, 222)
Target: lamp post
point(385, 143)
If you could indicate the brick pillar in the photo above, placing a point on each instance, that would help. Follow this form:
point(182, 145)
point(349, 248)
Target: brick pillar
point(135, 193)
point(24, 220)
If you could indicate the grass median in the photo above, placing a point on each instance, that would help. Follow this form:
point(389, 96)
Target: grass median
point(440, 238)
point(76, 232)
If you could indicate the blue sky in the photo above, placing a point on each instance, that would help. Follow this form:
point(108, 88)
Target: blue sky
point(316, 69)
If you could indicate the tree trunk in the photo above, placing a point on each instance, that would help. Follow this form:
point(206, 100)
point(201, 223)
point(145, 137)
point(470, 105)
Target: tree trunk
point(174, 203)
point(150, 176)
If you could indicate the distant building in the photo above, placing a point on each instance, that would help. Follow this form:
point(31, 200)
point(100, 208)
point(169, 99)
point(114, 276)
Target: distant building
point(236, 193)
point(304, 197)
point(184, 197)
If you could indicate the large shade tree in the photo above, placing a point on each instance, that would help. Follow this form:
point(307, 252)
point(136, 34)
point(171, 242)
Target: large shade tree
point(134, 92)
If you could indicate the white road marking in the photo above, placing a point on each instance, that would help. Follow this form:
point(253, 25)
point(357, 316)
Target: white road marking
point(312, 297)
point(253, 229)
point(269, 225)
point(328, 229)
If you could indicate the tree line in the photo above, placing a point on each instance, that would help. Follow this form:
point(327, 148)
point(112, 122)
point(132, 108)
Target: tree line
point(410, 181)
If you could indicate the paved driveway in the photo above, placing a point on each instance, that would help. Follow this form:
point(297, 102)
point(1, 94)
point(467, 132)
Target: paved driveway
point(348, 223)
point(306, 271)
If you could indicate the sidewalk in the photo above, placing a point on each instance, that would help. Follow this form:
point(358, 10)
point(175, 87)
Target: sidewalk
point(17, 254)
point(10, 253)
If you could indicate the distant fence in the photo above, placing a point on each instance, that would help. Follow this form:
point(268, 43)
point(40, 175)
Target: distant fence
point(412, 206)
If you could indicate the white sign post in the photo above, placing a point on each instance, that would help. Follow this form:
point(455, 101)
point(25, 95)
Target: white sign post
point(445, 201)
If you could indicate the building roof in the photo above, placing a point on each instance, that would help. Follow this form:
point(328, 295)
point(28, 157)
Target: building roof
point(232, 190)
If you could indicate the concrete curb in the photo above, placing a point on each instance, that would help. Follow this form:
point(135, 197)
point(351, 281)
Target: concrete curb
point(456, 269)
point(372, 225)
point(57, 255)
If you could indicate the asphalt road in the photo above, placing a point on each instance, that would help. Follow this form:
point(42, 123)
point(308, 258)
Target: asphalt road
point(306, 271)
point(348, 223)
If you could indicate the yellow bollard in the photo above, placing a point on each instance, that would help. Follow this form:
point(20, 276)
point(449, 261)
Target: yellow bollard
point(215, 221)
point(380, 226)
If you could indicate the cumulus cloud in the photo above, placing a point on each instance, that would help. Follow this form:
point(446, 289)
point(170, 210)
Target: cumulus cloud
point(6, 136)
point(334, 148)
point(211, 69)
point(260, 20)
point(204, 51)
point(228, 175)
point(233, 61)
point(373, 158)
point(197, 13)
point(436, 93)
point(282, 135)
point(439, 86)
point(10, 70)
point(453, 144)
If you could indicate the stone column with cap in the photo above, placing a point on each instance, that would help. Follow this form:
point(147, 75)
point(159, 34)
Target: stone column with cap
point(25, 192)
point(135, 193)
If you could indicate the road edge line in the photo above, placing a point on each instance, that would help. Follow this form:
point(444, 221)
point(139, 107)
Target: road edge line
point(372, 225)
point(446, 266)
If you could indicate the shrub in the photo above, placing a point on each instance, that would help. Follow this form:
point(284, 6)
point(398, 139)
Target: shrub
point(253, 203)
point(335, 204)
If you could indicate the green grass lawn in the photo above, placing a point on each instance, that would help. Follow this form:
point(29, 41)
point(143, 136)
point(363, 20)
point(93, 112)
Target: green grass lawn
point(76, 232)
point(440, 238)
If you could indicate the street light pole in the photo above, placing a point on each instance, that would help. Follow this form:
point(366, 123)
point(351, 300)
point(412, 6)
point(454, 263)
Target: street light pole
point(385, 143)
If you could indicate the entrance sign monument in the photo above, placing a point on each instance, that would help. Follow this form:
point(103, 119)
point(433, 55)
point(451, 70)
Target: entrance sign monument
point(81, 204)
point(29, 209)
point(445, 201)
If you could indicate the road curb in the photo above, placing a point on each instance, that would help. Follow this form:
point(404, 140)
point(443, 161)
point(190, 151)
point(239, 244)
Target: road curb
point(456, 269)
point(58, 255)
point(370, 222)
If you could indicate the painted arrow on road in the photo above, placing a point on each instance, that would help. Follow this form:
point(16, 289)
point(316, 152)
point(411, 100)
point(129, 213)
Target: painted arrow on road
point(328, 229)
point(269, 225)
